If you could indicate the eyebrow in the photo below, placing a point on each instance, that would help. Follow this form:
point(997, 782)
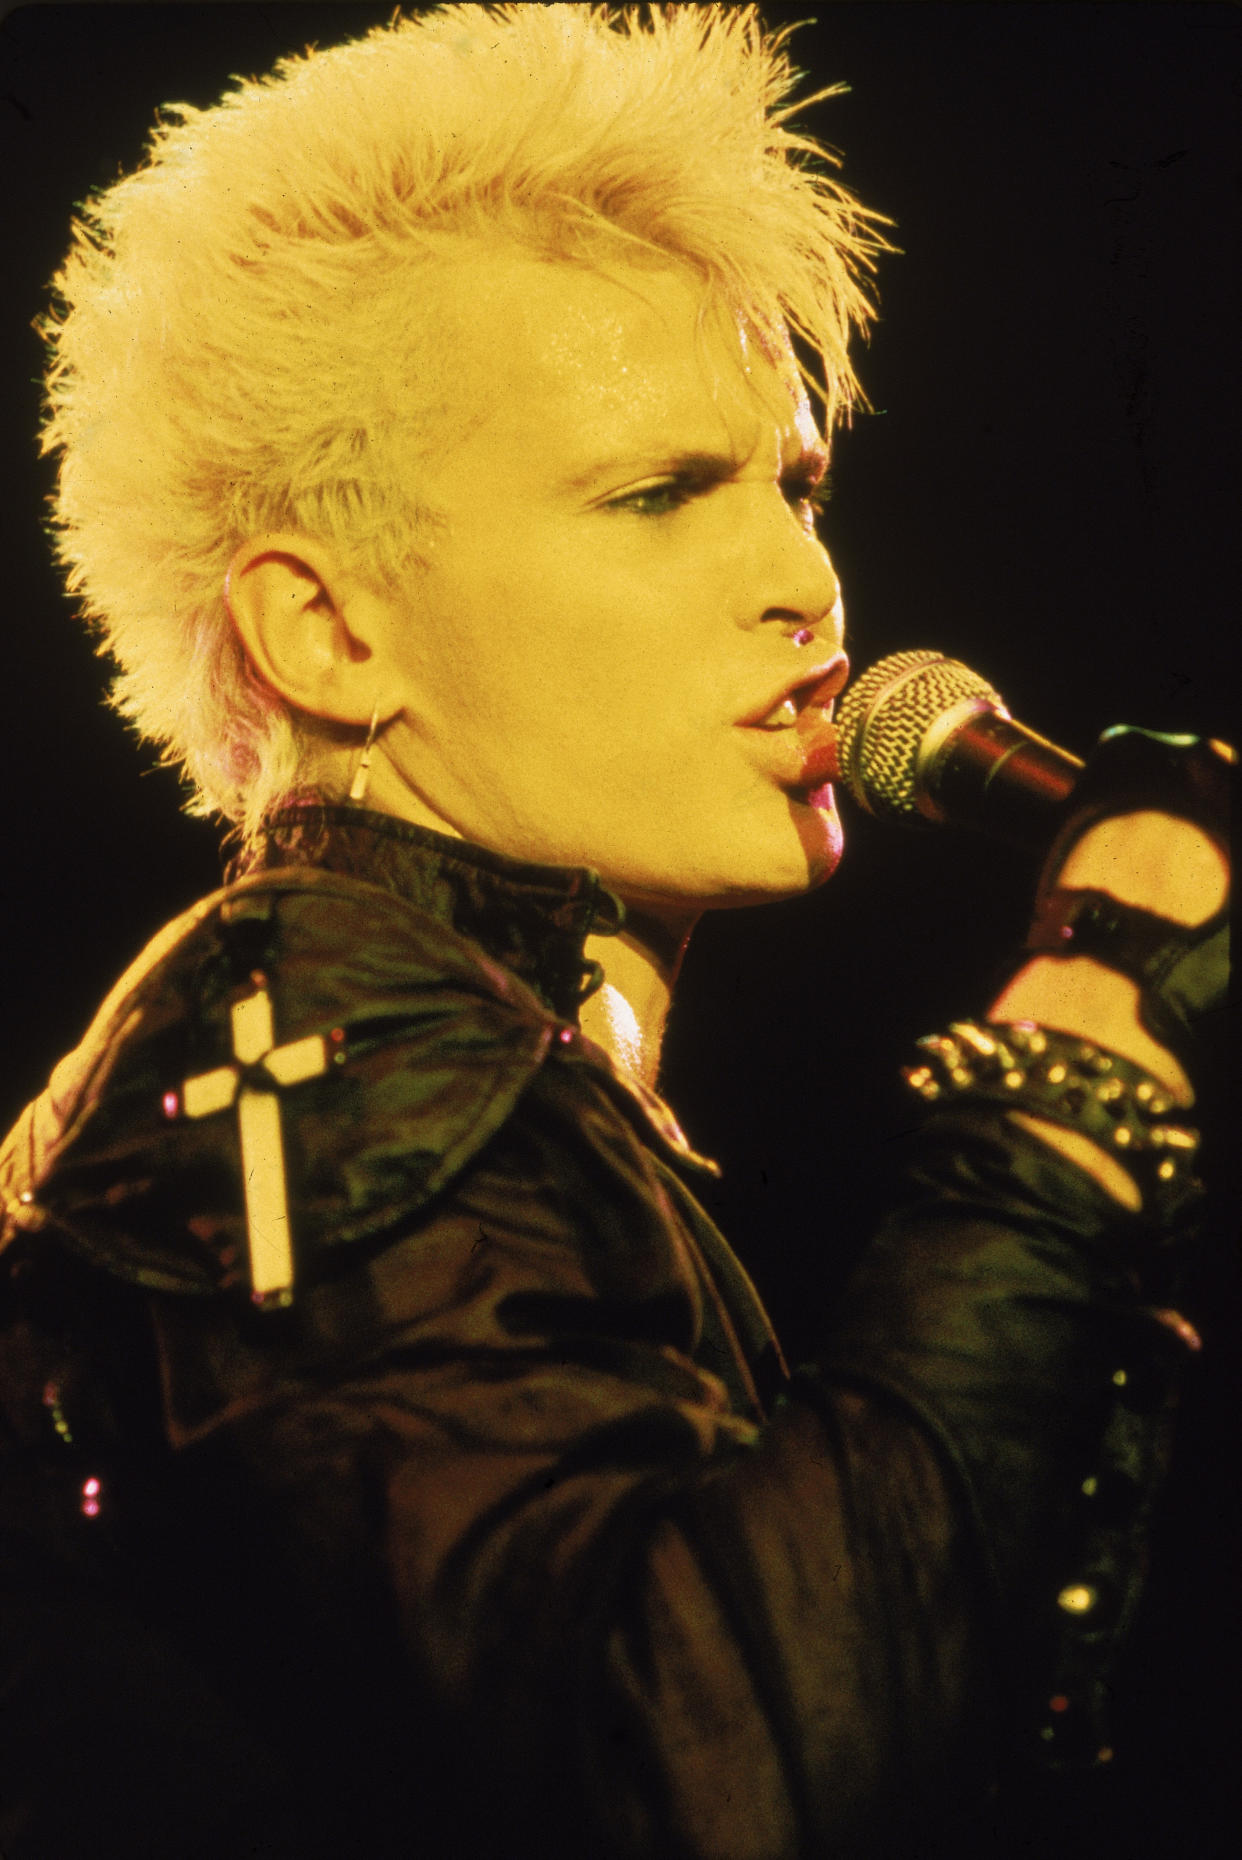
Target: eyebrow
point(808, 467)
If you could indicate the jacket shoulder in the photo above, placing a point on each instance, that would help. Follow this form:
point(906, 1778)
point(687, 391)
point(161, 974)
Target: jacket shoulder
point(300, 1046)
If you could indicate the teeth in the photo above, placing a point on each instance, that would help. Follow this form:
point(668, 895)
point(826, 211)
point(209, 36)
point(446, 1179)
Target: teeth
point(782, 718)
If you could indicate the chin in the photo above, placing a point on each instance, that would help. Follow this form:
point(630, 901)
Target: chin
point(795, 860)
point(746, 859)
point(811, 854)
point(818, 826)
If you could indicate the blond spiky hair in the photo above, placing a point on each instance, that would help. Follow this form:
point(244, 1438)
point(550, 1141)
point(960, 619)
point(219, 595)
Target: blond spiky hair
point(245, 333)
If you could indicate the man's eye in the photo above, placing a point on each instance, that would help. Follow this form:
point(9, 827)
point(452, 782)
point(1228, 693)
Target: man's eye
point(810, 495)
point(804, 495)
point(658, 500)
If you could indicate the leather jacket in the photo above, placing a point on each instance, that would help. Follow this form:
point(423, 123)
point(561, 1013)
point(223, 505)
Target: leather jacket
point(505, 1522)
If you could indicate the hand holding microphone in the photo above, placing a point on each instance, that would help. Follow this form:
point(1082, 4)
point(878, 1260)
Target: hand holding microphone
point(1136, 878)
point(923, 738)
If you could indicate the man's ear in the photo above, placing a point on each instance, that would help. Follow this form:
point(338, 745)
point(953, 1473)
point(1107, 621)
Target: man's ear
point(305, 624)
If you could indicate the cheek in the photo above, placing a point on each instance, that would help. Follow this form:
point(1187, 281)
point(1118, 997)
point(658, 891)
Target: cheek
point(597, 681)
point(556, 642)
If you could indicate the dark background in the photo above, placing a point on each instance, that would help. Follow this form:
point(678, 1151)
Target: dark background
point(1048, 489)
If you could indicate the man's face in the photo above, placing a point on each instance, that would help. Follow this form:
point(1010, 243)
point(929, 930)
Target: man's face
point(623, 582)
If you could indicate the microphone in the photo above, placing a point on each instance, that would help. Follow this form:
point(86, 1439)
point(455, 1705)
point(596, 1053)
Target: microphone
point(920, 737)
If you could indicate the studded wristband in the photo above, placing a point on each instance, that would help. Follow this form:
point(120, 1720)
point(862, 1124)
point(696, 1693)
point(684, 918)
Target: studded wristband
point(1073, 1083)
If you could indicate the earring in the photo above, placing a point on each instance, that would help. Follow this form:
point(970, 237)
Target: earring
point(362, 774)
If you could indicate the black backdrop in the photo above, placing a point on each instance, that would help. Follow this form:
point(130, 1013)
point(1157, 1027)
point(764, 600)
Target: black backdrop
point(1046, 489)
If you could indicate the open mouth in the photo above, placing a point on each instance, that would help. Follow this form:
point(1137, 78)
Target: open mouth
point(804, 703)
point(783, 717)
point(803, 715)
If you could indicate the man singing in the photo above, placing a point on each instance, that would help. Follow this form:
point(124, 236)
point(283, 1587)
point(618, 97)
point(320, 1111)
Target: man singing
point(398, 1460)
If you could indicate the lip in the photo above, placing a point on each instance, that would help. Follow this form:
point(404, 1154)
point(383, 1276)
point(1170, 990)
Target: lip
point(817, 747)
point(814, 688)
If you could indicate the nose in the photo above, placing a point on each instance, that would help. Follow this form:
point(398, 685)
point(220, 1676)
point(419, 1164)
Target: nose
point(791, 578)
point(805, 597)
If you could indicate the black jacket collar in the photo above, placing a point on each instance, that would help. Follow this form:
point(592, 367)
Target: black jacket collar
point(532, 918)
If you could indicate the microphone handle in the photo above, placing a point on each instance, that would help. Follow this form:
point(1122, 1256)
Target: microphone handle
point(978, 768)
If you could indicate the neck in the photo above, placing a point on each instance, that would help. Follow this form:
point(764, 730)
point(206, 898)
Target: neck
point(628, 1014)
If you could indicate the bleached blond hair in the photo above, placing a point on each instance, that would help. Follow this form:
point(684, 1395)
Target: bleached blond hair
point(244, 335)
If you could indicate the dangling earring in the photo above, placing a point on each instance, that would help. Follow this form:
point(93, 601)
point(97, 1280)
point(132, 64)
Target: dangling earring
point(362, 774)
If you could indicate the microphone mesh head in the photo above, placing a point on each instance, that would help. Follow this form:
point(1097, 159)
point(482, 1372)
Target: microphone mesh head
point(883, 718)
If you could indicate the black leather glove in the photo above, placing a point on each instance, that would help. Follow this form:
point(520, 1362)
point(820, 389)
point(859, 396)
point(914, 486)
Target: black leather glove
point(1182, 971)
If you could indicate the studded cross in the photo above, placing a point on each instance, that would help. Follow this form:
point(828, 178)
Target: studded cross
point(252, 1083)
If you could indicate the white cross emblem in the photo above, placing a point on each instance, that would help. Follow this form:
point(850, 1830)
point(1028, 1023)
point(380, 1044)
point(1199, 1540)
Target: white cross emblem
point(258, 1117)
